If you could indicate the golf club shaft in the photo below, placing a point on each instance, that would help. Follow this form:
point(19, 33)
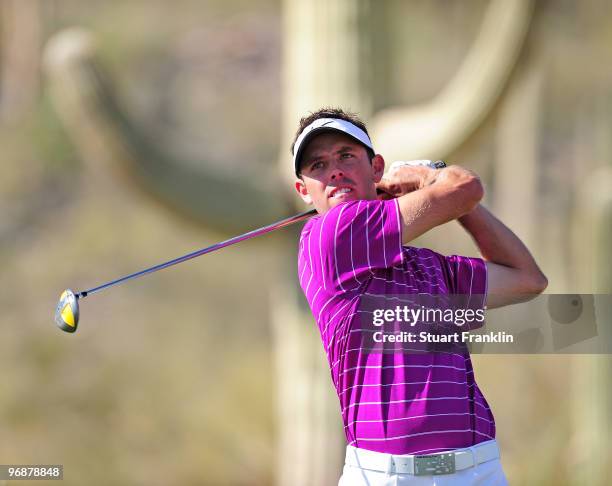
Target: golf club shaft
point(236, 239)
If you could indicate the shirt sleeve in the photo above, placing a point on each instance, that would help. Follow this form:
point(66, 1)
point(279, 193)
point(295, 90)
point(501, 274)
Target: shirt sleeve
point(467, 275)
point(353, 239)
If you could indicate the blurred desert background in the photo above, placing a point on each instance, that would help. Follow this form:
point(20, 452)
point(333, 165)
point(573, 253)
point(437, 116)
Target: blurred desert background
point(133, 132)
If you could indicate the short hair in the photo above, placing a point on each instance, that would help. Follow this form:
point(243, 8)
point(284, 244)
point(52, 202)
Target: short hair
point(332, 112)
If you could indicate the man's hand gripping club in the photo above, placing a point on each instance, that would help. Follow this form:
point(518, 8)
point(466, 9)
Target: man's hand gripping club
point(429, 197)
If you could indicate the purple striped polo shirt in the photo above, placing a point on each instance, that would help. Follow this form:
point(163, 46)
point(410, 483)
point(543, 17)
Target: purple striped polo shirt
point(399, 403)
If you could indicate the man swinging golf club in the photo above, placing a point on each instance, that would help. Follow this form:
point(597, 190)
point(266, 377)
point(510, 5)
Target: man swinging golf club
point(409, 418)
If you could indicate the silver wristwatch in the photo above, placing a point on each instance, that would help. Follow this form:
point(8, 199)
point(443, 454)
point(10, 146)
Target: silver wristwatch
point(438, 164)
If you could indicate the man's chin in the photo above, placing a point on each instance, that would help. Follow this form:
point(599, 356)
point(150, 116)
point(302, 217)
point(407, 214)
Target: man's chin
point(332, 202)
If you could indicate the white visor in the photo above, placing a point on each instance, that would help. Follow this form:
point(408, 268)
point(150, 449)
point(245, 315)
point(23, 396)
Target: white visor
point(327, 124)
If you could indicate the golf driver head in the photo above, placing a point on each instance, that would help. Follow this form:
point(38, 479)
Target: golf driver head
point(67, 311)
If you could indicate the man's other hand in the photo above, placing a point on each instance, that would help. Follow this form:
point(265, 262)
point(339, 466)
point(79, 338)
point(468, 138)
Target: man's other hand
point(401, 180)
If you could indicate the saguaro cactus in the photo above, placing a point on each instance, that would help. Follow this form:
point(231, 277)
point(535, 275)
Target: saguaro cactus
point(327, 58)
point(20, 46)
point(592, 398)
point(84, 97)
point(442, 124)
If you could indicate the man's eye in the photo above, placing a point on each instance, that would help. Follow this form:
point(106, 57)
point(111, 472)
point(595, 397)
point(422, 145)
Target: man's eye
point(347, 155)
point(316, 165)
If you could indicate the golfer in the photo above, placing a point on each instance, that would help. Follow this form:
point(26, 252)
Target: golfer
point(409, 418)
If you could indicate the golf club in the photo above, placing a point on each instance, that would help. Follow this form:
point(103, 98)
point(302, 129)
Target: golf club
point(67, 310)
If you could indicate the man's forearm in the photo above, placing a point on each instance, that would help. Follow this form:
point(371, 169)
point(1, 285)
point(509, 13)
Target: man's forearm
point(499, 245)
point(496, 242)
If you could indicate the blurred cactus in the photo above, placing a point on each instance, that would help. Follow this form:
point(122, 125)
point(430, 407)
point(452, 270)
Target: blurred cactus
point(20, 47)
point(592, 229)
point(438, 127)
point(592, 375)
point(328, 63)
point(87, 103)
point(517, 166)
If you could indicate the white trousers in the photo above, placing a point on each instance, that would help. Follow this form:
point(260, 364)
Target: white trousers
point(488, 473)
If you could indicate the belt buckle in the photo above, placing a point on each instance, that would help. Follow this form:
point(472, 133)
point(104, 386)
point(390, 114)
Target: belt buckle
point(434, 464)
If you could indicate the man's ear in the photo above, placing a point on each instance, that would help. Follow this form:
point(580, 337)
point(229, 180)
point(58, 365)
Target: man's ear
point(300, 187)
point(378, 167)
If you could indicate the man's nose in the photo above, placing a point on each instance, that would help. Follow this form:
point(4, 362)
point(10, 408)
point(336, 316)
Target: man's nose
point(337, 173)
